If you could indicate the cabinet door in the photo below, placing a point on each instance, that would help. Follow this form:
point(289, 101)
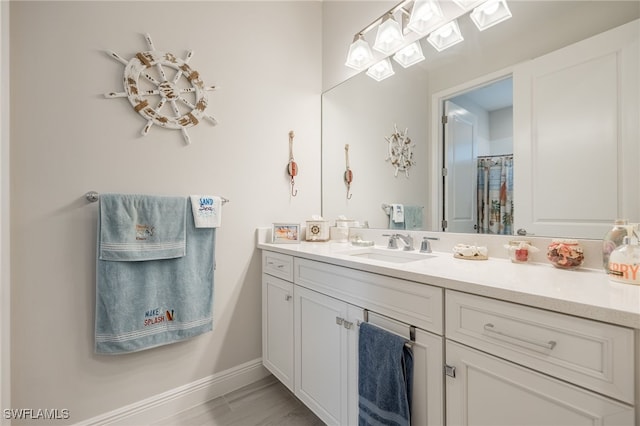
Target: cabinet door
point(576, 129)
point(491, 391)
point(321, 367)
point(427, 402)
point(277, 328)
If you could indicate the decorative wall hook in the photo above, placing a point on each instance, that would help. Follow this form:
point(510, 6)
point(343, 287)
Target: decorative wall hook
point(348, 174)
point(292, 167)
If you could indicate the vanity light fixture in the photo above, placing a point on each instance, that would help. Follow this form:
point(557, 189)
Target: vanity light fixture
point(381, 70)
point(418, 18)
point(389, 37)
point(425, 16)
point(466, 4)
point(409, 55)
point(490, 13)
point(445, 36)
point(360, 55)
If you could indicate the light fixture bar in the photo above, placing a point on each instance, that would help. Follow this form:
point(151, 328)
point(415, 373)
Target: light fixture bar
point(378, 21)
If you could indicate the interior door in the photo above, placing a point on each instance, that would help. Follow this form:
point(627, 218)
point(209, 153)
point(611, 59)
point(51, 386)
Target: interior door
point(459, 174)
point(575, 108)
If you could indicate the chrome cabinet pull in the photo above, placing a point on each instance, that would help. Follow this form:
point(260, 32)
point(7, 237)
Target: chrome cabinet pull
point(339, 320)
point(348, 325)
point(287, 297)
point(490, 328)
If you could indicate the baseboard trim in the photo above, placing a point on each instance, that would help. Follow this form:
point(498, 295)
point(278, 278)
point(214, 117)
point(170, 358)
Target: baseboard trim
point(173, 401)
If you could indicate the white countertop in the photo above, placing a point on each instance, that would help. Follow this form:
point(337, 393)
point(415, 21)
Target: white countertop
point(582, 292)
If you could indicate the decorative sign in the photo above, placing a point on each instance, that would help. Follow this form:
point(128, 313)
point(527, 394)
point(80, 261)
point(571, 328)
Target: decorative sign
point(400, 151)
point(151, 91)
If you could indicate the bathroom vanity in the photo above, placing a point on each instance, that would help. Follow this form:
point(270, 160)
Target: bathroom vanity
point(494, 342)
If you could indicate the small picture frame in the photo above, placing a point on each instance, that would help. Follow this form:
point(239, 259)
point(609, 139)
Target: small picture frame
point(286, 233)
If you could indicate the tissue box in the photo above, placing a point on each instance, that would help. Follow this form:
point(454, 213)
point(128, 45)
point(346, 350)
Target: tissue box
point(317, 230)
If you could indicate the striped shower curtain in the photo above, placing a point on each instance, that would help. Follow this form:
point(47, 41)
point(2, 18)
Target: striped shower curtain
point(495, 195)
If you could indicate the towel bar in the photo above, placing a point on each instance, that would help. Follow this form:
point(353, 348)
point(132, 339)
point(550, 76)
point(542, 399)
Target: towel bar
point(412, 328)
point(93, 196)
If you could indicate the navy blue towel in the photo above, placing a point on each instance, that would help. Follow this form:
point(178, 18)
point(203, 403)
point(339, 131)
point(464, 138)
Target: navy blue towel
point(385, 376)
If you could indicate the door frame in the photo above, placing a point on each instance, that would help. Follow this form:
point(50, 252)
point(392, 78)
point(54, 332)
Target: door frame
point(437, 137)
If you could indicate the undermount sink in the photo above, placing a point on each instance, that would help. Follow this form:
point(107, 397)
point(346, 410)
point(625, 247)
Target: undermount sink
point(388, 255)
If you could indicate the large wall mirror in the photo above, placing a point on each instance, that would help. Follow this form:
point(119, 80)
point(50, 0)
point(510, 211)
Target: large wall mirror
point(474, 76)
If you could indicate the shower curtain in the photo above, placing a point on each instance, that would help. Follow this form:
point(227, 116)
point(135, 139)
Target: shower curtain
point(495, 194)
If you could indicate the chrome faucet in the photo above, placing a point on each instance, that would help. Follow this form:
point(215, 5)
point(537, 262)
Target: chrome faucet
point(393, 241)
point(425, 247)
point(407, 240)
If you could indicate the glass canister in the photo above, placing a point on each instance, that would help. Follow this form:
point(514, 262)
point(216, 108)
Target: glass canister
point(612, 240)
point(519, 250)
point(565, 254)
point(624, 263)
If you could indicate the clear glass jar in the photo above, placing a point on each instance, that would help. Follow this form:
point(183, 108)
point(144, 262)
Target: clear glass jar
point(612, 240)
point(519, 250)
point(565, 254)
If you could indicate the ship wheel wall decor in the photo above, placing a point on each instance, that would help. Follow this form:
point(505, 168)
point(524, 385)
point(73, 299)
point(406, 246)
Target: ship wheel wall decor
point(400, 151)
point(175, 101)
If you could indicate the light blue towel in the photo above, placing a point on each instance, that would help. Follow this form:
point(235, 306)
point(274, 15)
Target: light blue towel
point(413, 217)
point(140, 305)
point(385, 378)
point(138, 227)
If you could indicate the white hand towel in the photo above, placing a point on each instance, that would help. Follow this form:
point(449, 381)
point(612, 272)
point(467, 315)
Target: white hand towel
point(207, 211)
point(397, 213)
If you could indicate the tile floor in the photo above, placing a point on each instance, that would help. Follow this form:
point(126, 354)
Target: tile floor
point(264, 403)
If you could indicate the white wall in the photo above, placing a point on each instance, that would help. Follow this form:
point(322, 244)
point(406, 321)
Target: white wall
point(501, 131)
point(67, 139)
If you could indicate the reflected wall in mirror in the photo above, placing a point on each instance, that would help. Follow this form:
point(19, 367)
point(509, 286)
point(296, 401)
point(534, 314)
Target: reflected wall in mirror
point(361, 112)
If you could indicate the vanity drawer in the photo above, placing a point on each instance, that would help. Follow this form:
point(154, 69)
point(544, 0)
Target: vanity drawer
point(278, 265)
point(410, 302)
point(588, 353)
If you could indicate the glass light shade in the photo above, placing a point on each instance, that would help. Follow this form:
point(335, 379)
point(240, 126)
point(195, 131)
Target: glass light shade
point(425, 15)
point(381, 70)
point(465, 4)
point(360, 55)
point(490, 13)
point(407, 56)
point(445, 36)
point(389, 36)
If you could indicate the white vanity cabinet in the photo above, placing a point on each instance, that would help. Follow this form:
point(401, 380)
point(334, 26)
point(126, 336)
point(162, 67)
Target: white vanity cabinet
point(277, 316)
point(326, 355)
point(477, 360)
point(332, 292)
point(510, 364)
point(329, 303)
